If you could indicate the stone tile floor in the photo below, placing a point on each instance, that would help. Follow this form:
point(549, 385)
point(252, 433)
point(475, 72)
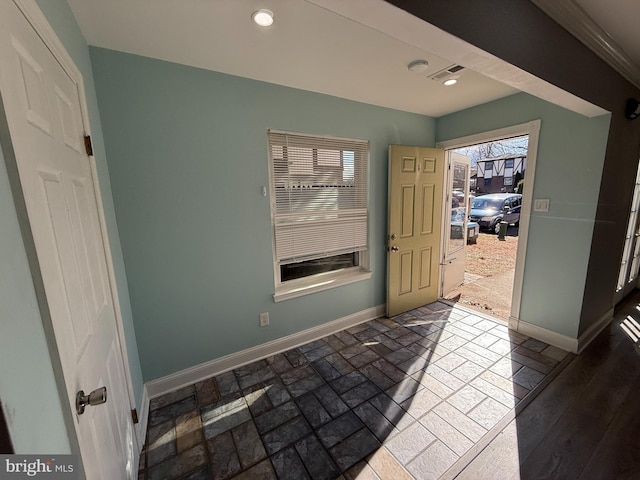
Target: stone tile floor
point(408, 397)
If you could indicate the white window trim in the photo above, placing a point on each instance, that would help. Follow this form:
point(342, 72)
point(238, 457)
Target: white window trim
point(321, 281)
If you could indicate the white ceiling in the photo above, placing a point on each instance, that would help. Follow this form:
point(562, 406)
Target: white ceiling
point(355, 49)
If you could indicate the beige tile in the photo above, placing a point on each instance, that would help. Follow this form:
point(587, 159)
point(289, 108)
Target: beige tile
point(447, 434)
point(506, 385)
point(188, 431)
point(387, 467)
point(433, 462)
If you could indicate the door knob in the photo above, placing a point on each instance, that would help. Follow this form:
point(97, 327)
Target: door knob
point(395, 249)
point(97, 397)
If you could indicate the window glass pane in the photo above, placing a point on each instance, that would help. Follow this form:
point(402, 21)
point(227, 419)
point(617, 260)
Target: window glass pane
point(292, 271)
point(458, 225)
point(458, 208)
point(348, 172)
point(459, 185)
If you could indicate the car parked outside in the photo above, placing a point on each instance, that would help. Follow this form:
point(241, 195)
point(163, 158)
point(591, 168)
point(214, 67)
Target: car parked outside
point(490, 210)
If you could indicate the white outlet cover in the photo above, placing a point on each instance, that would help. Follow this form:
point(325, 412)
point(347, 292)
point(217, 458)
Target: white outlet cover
point(541, 205)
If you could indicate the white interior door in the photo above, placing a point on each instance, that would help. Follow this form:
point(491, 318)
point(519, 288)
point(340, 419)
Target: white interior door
point(46, 125)
point(454, 251)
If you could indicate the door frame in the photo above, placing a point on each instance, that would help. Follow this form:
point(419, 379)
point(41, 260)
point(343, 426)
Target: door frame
point(532, 129)
point(41, 26)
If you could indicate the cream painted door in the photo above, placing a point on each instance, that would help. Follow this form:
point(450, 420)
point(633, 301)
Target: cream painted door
point(454, 254)
point(46, 126)
point(416, 177)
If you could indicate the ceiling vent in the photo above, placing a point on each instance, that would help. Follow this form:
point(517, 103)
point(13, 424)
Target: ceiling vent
point(443, 74)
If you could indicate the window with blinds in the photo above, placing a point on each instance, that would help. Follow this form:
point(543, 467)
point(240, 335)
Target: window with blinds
point(319, 197)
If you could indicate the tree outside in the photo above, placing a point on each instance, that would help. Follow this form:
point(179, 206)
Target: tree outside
point(505, 148)
point(516, 146)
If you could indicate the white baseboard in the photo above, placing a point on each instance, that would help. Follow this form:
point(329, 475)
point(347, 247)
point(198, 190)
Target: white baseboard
point(594, 330)
point(189, 376)
point(547, 336)
point(573, 345)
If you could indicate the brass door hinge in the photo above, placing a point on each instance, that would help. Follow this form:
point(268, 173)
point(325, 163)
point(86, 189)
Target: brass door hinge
point(134, 415)
point(88, 146)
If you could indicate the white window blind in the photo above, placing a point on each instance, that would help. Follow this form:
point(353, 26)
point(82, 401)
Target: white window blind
point(319, 195)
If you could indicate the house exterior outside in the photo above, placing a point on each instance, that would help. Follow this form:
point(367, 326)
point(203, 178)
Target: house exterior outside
point(473, 178)
point(499, 174)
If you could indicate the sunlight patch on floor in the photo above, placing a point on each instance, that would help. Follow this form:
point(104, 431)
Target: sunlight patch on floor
point(631, 328)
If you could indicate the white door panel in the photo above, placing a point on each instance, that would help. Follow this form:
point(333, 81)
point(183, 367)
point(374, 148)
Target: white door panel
point(454, 242)
point(43, 109)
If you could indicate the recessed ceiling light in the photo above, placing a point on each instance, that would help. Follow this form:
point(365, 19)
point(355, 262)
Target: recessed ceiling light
point(263, 17)
point(418, 66)
point(452, 80)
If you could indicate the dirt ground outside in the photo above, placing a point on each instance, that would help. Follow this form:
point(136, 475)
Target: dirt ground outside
point(489, 275)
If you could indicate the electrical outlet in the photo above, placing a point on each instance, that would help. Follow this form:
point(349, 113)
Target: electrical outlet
point(264, 319)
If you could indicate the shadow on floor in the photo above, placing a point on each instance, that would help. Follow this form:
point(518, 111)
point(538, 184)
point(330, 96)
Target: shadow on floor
point(413, 396)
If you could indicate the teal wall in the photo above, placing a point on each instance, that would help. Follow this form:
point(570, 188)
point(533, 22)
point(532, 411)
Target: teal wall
point(568, 170)
point(64, 24)
point(187, 152)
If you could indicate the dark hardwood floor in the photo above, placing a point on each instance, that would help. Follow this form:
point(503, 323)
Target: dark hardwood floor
point(585, 425)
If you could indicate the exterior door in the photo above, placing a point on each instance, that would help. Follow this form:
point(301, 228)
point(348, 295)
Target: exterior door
point(454, 253)
point(46, 125)
point(416, 177)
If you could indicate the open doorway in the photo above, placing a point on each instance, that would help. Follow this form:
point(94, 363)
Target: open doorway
point(500, 186)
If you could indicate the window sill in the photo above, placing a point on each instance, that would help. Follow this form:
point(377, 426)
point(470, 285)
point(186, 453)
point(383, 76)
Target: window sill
point(318, 283)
